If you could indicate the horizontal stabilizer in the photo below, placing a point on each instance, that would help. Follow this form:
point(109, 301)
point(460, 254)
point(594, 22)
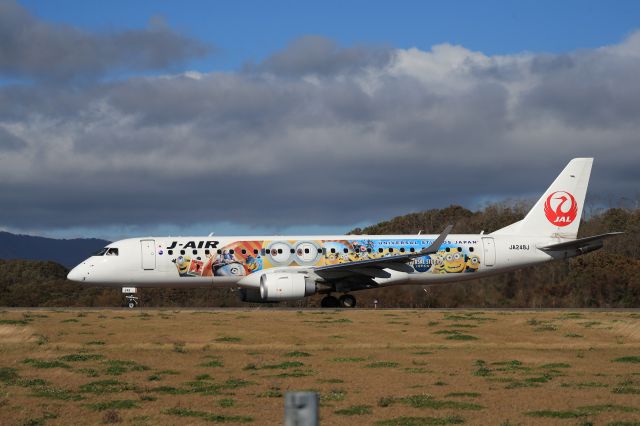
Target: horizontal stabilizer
point(580, 243)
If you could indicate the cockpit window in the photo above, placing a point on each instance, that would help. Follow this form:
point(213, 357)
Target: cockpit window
point(101, 252)
point(112, 252)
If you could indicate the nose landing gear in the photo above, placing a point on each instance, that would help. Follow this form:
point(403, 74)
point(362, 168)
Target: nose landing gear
point(130, 300)
point(345, 301)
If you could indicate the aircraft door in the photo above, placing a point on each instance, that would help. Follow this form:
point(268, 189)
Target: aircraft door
point(489, 251)
point(148, 252)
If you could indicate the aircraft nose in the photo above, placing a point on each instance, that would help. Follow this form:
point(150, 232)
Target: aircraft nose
point(77, 274)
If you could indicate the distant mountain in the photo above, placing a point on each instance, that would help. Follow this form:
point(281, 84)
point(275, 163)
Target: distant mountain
point(66, 252)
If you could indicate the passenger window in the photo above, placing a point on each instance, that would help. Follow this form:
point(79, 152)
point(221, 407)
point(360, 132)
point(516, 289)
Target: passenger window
point(255, 251)
point(459, 249)
point(390, 249)
point(279, 251)
point(447, 249)
point(244, 251)
point(292, 251)
point(231, 251)
point(306, 251)
point(412, 249)
point(333, 250)
point(219, 251)
point(345, 250)
point(170, 252)
point(401, 249)
point(182, 252)
point(206, 252)
point(380, 250)
point(195, 252)
point(263, 251)
point(369, 250)
point(320, 250)
point(471, 249)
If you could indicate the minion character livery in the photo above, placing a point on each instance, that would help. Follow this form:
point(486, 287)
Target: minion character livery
point(182, 263)
point(454, 261)
point(473, 263)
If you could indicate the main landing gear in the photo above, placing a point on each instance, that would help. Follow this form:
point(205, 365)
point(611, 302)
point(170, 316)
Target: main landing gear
point(345, 301)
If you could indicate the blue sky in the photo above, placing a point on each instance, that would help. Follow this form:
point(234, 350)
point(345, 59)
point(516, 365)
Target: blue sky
point(248, 31)
point(124, 118)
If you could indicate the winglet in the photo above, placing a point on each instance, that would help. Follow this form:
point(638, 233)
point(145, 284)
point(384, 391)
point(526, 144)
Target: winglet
point(433, 248)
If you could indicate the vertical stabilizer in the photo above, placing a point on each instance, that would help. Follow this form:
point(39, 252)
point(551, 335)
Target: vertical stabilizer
point(557, 213)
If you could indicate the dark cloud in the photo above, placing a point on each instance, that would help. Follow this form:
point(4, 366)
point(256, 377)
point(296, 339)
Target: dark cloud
point(316, 55)
point(545, 64)
point(33, 49)
point(586, 89)
point(344, 140)
point(10, 142)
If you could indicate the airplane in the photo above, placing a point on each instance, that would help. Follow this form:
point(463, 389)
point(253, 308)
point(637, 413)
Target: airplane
point(275, 268)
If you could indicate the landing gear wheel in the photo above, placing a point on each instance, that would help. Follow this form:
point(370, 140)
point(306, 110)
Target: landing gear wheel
point(347, 301)
point(132, 301)
point(329, 302)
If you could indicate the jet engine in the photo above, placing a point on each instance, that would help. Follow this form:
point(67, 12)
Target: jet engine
point(282, 286)
point(277, 287)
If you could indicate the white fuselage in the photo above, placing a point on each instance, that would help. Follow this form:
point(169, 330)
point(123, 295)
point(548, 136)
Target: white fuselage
point(229, 261)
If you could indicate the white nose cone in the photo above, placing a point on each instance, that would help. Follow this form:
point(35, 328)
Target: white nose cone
point(76, 274)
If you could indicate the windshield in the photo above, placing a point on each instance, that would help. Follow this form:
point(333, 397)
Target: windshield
point(101, 252)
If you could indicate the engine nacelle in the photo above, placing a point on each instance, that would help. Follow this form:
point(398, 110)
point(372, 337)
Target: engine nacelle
point(278, 287)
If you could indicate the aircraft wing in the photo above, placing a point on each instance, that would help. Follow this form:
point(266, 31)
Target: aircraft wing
point(375, 267)
point(581, 244)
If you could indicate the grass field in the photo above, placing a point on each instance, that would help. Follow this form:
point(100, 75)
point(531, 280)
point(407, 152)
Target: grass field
point(384, 367)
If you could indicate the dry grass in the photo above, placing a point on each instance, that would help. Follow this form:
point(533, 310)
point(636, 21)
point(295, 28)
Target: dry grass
point(147, 367)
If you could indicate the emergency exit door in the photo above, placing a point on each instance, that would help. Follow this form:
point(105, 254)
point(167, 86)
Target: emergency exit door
point(489, 251)
point(148, 251)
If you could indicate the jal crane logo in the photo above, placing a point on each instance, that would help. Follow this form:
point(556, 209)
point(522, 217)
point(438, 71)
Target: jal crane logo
point(561, 208)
